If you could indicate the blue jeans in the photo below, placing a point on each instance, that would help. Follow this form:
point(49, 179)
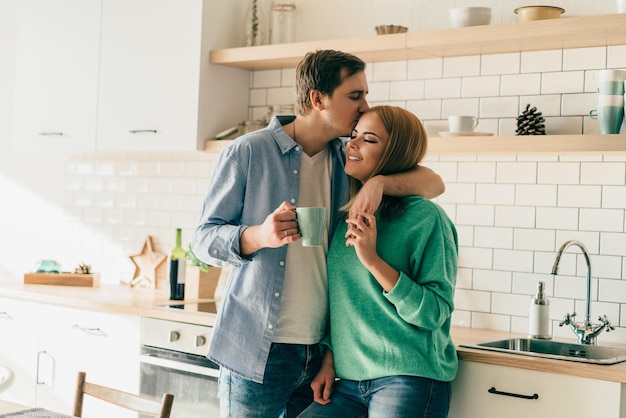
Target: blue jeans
point(285, 391)
point(386, 397)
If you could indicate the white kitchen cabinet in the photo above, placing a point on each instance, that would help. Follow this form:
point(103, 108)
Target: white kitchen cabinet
point(56, 77)
point(123, 75)
point(157, 90)
point(18, 350)
point(557, 395)
point(104, 345)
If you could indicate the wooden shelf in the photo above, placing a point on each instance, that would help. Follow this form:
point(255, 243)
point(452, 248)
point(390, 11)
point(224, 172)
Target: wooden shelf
point(562, 33)
point(503, 144)
point(527, 144)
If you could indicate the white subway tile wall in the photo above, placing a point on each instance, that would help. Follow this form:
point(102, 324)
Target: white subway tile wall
point(512, 211)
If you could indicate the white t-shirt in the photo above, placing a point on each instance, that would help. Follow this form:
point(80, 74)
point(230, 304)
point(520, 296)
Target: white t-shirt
point(303, 317)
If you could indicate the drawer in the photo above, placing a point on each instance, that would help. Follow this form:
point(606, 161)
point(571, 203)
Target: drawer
point(17, 316)
point(89, 327)
point(514, 390)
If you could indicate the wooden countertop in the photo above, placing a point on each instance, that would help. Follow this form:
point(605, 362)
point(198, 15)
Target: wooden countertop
point(107, 298)
point(142, 301)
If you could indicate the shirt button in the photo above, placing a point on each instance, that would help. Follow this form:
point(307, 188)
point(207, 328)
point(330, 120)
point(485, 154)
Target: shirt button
point(292, 200)
point(270, 326)
point(277, 294)
point(295, 171)
point(298, 149)
point(282, 263)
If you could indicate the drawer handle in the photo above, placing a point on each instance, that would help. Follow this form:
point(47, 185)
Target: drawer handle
point(91, 331)
point(51, 133)
point(143, 131)
point(514, 395)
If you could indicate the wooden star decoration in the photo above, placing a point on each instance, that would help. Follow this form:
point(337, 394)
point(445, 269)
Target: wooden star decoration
point(146, 263)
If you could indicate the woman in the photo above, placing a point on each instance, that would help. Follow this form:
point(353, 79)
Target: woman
point(391, 288)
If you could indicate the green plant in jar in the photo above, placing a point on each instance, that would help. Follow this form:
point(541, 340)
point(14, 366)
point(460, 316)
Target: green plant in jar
point(195, 261)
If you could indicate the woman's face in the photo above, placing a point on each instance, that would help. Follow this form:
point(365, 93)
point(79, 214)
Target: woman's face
point(365, 149)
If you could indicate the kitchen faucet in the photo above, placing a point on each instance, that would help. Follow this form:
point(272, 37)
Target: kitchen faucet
point(586, 331)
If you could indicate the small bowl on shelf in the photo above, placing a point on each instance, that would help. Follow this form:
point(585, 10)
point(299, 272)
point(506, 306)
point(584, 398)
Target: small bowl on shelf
point(470, 16)
point(529, 13)
point(389, 29)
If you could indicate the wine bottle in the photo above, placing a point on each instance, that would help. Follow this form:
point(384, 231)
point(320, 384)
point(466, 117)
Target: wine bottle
point(177, 264)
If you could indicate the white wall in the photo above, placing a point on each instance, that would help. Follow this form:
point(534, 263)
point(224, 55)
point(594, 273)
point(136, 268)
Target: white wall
point(512, 211)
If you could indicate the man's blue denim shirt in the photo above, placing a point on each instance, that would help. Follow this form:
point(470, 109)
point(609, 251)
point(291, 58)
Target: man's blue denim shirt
point(253, 176)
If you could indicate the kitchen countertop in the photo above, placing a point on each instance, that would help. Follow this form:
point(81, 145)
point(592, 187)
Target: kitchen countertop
point(120, 299)
point(142, 301)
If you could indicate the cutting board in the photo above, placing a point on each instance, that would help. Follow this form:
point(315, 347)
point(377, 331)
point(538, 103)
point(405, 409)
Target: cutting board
point(63, 279)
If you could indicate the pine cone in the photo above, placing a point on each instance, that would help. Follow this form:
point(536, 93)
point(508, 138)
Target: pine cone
point(83, 268)
point(530, 122)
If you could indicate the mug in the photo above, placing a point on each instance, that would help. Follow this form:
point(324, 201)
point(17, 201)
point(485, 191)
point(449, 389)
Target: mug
point(609, 118)
point(312, 225)
point(610, 100)
point(462, 123)
point(609, 75)
point(611, 87)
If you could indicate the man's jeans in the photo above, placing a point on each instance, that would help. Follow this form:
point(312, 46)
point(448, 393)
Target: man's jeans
point(285, 391)
point(387, 397)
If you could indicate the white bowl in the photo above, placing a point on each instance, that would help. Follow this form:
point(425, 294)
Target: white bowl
point(470, 16)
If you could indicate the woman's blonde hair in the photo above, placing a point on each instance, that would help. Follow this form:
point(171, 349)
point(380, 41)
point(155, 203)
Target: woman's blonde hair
point(405, 149)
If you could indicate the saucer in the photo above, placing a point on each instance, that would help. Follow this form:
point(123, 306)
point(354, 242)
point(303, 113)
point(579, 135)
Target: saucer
point(451, 134)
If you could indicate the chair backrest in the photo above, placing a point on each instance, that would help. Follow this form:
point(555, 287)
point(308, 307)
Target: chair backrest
point(123, 399)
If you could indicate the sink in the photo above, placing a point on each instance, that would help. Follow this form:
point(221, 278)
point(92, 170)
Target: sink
point(555, 350)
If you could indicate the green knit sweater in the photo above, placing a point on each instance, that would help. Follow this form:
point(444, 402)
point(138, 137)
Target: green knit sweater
point(375, 334)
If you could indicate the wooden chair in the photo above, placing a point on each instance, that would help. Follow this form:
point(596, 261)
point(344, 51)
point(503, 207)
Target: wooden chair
point(125, 400)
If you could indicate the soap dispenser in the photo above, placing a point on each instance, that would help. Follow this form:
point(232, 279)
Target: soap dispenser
point(539, 315)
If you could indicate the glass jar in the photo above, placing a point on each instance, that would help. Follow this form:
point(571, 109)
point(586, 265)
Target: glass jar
point(254, 25)
point(282, 23)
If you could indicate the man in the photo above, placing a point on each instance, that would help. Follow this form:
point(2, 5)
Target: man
point(275, 306)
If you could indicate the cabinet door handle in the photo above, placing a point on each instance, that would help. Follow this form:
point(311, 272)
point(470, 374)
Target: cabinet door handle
point(514, 395)
point(141, 131)
point(51, 133)
point(46, 365)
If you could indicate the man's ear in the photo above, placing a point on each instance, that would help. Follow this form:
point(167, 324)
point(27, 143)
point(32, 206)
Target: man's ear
point(316, 99)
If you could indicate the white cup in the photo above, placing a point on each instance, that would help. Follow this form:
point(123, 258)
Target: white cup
point(462, 123)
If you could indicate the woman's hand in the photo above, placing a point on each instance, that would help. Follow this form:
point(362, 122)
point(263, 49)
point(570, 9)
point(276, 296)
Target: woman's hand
point(361, 235)
point(369, 197)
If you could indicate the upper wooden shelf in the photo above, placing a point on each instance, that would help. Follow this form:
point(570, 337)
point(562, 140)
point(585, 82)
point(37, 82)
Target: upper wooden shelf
point(503, 144)
point(562, 33)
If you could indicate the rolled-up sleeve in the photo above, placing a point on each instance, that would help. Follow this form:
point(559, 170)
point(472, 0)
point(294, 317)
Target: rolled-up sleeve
point(216, 239)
